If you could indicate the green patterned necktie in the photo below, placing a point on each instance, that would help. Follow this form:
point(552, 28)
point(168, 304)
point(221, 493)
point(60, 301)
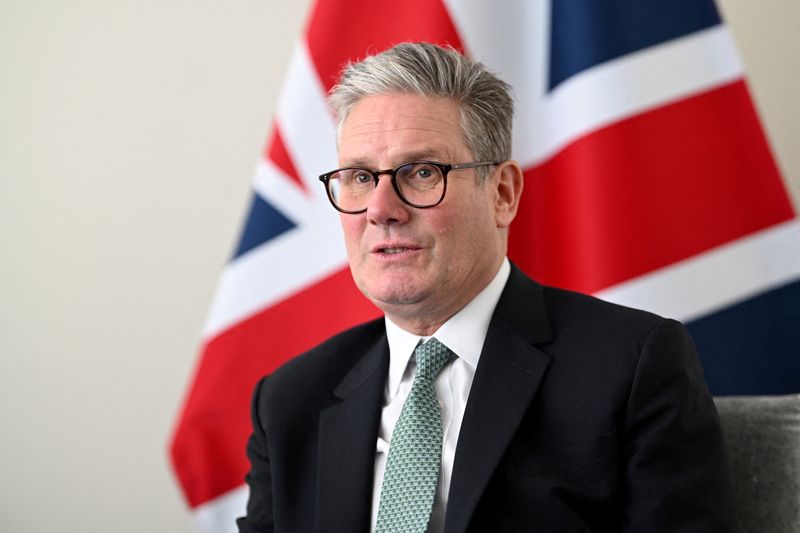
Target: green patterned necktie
point(412, 468)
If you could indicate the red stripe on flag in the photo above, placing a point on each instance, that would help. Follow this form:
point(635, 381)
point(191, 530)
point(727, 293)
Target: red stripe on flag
point(649, 191)
point(277, 153)
point(209, 462)
point(344, 30)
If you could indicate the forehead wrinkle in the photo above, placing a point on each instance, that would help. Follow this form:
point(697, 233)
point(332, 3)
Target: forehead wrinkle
point(381, 128)
point(394, 145)
point(396, 153)
point(427, 154)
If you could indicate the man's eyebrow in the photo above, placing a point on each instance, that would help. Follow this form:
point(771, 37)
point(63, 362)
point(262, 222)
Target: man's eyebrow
point(356, 163)
point(423, 155)
point(427, 155)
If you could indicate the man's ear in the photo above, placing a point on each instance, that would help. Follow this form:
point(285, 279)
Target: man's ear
point(508, 188)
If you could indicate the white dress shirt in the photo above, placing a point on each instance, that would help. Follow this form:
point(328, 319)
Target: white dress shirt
point(463, 334)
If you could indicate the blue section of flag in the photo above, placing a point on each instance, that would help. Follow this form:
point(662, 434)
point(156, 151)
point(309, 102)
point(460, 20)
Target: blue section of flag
point(264, 222)
point(753, 347)
point(585, 33)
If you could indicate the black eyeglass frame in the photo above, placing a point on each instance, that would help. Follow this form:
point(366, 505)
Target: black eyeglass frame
point(445, 168)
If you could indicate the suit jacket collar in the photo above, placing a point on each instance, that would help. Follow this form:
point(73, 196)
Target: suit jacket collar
point(506, 380)
point(347, 433)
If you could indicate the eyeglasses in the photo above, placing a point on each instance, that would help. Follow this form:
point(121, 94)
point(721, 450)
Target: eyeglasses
point(420, 184)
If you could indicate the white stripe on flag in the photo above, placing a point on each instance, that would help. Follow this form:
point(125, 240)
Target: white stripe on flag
point(219, 515)
point(515, 44)
point(632, 84)
point(274, 271)
point(721, 277)
point(306, 123)
point(273, 186)
point(263, 276)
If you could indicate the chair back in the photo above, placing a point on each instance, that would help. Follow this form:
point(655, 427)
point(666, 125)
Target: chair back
point(762, 434)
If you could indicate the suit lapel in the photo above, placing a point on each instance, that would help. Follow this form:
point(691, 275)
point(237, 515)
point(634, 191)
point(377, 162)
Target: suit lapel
point(347, 437)
point(506, 380)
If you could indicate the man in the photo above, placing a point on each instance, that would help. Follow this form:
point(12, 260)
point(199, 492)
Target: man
point(482, 401)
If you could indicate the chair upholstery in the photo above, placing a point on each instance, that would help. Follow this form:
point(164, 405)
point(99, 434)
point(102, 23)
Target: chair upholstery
point(763, 438)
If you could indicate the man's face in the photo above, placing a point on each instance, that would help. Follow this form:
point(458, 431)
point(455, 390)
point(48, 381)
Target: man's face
point(420, 266)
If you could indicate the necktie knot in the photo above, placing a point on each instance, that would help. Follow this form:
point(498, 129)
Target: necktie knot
point(431, 358)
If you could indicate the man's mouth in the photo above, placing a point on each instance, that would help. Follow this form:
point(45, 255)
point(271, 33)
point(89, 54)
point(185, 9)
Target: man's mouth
point(394, 249)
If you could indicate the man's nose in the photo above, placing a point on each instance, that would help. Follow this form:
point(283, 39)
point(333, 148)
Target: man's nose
point(385, 206)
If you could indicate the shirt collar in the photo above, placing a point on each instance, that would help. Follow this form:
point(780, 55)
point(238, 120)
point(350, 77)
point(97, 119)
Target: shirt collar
point(463, 332)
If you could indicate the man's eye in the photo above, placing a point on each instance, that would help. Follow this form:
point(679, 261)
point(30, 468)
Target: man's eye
point(424, 172)
point(420, 172)
point(361, 178)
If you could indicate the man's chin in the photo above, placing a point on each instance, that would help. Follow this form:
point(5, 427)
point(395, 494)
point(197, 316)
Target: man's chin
point(395, 301)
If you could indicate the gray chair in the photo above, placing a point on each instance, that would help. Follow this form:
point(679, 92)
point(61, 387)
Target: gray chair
point(763, 438)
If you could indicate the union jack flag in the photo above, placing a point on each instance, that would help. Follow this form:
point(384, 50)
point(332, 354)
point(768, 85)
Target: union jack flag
point(649, 182)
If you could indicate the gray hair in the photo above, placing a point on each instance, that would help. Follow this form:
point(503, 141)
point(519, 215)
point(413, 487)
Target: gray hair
point(485, 102)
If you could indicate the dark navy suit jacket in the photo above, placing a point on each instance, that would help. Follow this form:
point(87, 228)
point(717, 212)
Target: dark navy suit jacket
point(583, 416)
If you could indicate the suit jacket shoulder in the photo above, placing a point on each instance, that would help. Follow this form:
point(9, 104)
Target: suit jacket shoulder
point(322, 367)
point(618, 433)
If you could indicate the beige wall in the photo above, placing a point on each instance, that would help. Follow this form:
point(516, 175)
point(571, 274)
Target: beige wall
point(129, 131)
point(769, 44)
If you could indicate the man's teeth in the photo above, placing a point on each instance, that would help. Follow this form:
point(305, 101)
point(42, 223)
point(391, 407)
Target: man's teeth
point(392, 250)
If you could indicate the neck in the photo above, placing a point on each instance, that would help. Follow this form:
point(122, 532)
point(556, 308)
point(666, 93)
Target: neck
point(420, 318)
